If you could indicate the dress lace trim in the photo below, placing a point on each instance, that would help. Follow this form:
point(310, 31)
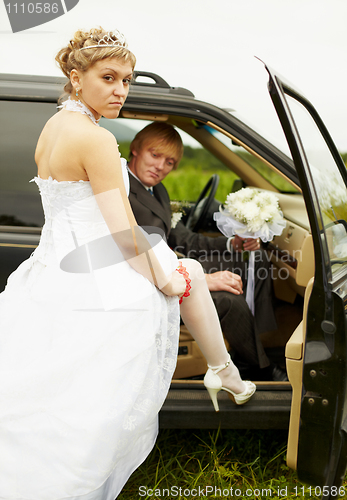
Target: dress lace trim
point(72, 105)
point(50, 179)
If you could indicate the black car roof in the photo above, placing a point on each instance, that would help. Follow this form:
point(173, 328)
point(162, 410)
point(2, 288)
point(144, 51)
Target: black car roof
point(153, 97)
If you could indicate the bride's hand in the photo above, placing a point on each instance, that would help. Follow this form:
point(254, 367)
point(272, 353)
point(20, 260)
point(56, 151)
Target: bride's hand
point(176, 285)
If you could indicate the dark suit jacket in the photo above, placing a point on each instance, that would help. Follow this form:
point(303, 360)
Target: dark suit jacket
point(236, 319)
point(150, 210)
point(155, 211)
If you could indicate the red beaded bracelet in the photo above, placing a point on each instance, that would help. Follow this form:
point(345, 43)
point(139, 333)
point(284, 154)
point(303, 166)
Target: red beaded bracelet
point(182, 270)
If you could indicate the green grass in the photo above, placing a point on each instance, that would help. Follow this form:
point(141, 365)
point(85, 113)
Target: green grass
point(252, 462)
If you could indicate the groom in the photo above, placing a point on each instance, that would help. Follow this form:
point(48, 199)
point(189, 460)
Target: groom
point(155, 151)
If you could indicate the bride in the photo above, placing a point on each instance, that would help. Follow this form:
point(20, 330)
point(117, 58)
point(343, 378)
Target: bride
point(89, 323)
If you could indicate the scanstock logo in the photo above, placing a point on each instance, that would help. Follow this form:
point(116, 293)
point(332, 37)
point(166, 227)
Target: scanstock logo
point(25, 14)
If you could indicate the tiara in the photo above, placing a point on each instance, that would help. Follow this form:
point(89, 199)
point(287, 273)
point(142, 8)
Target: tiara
point(107, 41)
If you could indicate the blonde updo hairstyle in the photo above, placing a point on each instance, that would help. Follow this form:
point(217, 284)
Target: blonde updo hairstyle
point(72, 57)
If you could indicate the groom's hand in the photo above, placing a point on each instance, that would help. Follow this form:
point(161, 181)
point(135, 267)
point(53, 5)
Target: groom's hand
point(224, 281)
point(245, 244)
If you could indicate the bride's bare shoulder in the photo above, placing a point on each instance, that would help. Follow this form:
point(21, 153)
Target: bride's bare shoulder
point(76, 127)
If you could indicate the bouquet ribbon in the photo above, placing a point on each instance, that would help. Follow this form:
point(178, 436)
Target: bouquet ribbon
point(230, 226)
point(250, 283)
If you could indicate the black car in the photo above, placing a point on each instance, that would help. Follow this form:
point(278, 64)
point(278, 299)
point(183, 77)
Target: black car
point(311, 253)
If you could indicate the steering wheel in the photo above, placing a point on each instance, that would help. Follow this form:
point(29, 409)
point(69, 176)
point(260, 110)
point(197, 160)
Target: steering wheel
point(199, 211)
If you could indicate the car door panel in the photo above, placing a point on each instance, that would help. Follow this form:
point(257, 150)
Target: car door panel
point(317, 437)
point(294, 360)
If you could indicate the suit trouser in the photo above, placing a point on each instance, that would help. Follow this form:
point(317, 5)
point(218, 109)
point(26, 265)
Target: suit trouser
point(238, 327)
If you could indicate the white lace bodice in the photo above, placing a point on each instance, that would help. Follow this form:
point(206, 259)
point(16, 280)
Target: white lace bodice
point(72, 216)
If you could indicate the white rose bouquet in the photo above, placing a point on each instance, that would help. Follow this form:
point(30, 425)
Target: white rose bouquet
point(250, 213)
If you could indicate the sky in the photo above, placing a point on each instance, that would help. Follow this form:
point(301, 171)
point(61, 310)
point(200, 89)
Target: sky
point(209, 47)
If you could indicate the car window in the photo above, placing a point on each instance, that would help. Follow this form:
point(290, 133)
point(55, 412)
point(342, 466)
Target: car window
point(196, 167)
point(20, 126)
point(329, 188)
point(124, 130)
point(256, 163)
point(194, 171)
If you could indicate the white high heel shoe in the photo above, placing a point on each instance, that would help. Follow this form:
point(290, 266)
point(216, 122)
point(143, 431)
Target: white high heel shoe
point(213, 384)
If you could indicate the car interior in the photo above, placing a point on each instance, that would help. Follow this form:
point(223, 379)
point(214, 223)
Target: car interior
point(291, 253)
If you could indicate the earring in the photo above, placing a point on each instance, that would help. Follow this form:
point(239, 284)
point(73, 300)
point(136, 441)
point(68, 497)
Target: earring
point(77, 91)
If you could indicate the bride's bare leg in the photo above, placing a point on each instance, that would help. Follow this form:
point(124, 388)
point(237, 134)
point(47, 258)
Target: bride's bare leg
point(200, 317)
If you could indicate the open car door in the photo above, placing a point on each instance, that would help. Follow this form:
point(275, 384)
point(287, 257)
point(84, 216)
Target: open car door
point(316, 353)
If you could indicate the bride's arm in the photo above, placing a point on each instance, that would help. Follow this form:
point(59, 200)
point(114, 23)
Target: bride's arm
point(101, 161)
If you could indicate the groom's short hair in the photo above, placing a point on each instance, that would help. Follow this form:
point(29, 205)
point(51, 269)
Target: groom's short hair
point(162, 137)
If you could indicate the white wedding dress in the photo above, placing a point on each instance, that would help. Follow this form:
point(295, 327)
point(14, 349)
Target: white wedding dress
point(86, 358)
